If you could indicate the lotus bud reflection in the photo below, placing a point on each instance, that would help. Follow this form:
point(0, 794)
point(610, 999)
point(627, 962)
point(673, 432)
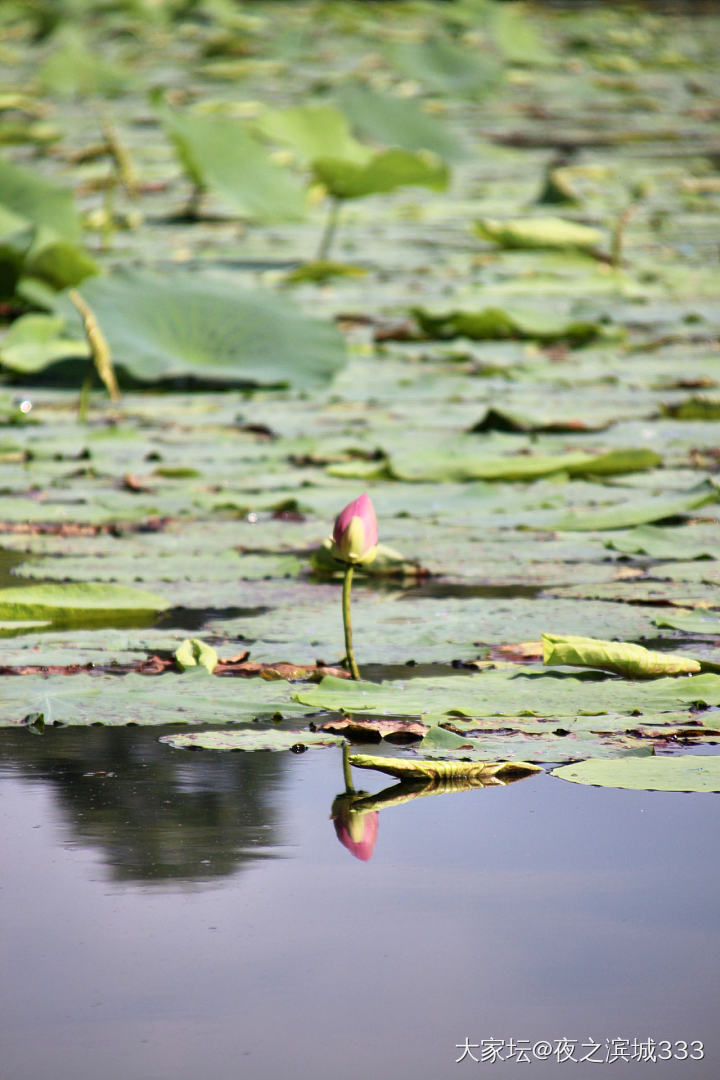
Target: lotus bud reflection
point(355, 535)
point(355, 829)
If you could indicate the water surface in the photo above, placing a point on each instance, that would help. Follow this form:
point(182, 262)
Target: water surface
point(169, 914)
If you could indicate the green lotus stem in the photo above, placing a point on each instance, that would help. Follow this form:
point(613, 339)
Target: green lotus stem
point(349, 654)
point(347, 771)
point(329, 230)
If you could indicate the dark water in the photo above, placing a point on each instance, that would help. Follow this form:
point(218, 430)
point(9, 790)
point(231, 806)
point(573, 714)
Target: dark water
point(169, 915)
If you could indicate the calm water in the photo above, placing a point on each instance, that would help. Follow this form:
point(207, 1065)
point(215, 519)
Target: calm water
point(168, 915)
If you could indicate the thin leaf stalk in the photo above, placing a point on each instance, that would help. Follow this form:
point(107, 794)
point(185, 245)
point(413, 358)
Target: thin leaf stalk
point(99, 348)
point(329, 231)
point(121, 159)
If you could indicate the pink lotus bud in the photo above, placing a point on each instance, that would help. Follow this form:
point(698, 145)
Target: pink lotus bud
point(356, 533)
point(357, 831)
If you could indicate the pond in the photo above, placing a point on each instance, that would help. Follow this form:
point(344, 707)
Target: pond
point(170, 914)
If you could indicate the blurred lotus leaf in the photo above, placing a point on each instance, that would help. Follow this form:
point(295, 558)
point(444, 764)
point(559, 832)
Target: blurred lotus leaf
point(443, 67)
point(386, 171)
point(181, 324)
point(539, 233)
point(312, 132)
point(222, 155)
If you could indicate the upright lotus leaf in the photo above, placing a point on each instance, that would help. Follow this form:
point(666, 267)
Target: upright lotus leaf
point(516, 37)
point(75, 68)
point(38, 201)
point(193, 653)
point(33, 342)
point(181, 324)
point(539, 233)
point(312, 132)
point(385, 171)
point(57, 262)
point(622, 657)
point(443, 67)
point(69, 603)
point(15, 239)
point(395, 121)
point(222, 155)
point(683, 773)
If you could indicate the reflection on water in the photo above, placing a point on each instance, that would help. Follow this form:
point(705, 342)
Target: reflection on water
point(156, 815)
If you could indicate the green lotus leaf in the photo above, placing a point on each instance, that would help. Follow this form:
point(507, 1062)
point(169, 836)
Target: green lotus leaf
point(553, 233)
point(385, 171)
point(78, 602)
point(446, 68)
point(394, 121)
point(685, 773)
point(181, 324)
point(33, 199)
point(313, 131)
point(622, 657)
point(500, 324)
point(250, 740)
point(193, 653)
point(222, 154)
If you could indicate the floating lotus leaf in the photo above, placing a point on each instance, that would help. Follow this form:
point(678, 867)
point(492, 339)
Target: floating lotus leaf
point(68, 603)
point(249, 740)
point(501, 324)
point(686, 773)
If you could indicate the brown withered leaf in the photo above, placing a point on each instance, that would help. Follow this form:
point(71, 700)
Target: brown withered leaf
point(522, 652)
point(374, 729)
